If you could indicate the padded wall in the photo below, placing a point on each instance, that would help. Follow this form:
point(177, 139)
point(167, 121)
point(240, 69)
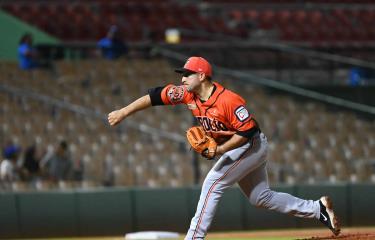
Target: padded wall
point(116, 211)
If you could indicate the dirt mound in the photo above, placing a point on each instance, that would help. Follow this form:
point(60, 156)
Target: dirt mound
point(358, 233)
point(357, 236)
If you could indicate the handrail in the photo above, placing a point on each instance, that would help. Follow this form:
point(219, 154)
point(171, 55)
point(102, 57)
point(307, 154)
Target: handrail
point(89, 112)
point(321, 55)
point(284, 47)
point(232, 41)
point(251, 78)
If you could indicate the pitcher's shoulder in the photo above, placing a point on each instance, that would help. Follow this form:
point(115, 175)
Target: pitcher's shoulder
point(231, 97)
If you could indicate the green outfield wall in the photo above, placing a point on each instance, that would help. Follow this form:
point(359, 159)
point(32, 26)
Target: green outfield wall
point(116, 211)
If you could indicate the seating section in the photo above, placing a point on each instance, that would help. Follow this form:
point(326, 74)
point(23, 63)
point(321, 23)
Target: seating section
point(319, 23)
point(316, 25)
point(136, 158)
point(90, 20)
point(291, 1)
point(307, 142)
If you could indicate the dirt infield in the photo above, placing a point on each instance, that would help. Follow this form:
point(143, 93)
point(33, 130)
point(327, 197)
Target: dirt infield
point(358, 236)
point(306, 234)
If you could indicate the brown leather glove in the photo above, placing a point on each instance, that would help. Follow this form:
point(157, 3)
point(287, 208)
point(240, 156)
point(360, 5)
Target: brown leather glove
point(201, 143)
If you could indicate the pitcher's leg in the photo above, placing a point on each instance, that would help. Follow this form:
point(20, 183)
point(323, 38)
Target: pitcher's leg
point(208, 201)
point(218, 180)
point(255, 187)
point(214, 185)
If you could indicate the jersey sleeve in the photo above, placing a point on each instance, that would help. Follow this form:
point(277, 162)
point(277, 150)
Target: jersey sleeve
point(240, 118)
point(169, 95)
point(173, 95)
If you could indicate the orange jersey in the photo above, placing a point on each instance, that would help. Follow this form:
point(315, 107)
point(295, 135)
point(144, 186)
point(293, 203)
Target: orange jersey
point(221, 116)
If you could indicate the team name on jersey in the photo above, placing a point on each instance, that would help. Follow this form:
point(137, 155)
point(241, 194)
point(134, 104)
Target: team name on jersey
point(212, 125)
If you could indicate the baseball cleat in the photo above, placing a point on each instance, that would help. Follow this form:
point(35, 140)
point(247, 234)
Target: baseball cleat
point(327, 216)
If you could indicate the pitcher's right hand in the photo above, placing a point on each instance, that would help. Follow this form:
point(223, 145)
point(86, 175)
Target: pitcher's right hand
point(115, 117)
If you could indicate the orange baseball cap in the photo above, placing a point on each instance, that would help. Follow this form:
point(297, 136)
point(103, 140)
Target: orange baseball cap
point(196, 65)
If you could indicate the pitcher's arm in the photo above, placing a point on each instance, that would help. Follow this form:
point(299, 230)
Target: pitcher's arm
point(117, 116)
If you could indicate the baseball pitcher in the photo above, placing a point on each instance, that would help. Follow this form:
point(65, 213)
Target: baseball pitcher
point(229, 133)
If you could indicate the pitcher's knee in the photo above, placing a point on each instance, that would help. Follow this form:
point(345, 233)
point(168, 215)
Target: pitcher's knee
point(262, 199)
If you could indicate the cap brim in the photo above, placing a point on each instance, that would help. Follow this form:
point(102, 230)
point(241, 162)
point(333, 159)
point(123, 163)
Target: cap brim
point(183, 70)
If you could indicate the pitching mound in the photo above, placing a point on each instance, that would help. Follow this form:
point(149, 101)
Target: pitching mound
point(299, 234)
point(358, 236)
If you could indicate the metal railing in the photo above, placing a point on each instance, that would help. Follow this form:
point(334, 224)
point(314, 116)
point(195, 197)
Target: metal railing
point(251, 78)
point(87, 112)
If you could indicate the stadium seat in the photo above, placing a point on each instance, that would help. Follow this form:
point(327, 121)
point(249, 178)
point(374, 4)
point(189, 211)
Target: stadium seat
point(293, 128)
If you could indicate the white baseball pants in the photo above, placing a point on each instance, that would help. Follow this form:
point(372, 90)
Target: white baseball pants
point(247, 166)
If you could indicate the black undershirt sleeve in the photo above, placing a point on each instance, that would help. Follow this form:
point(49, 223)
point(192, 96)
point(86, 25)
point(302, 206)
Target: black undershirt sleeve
point(251, 132)
point(248, 133)
point(155, 95)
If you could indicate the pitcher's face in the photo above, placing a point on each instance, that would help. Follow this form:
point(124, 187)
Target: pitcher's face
point(191, 81)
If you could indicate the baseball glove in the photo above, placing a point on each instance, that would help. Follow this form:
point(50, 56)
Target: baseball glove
point(201, 143)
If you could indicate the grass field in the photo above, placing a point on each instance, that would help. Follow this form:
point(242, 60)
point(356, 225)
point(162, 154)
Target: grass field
point(365, 233)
